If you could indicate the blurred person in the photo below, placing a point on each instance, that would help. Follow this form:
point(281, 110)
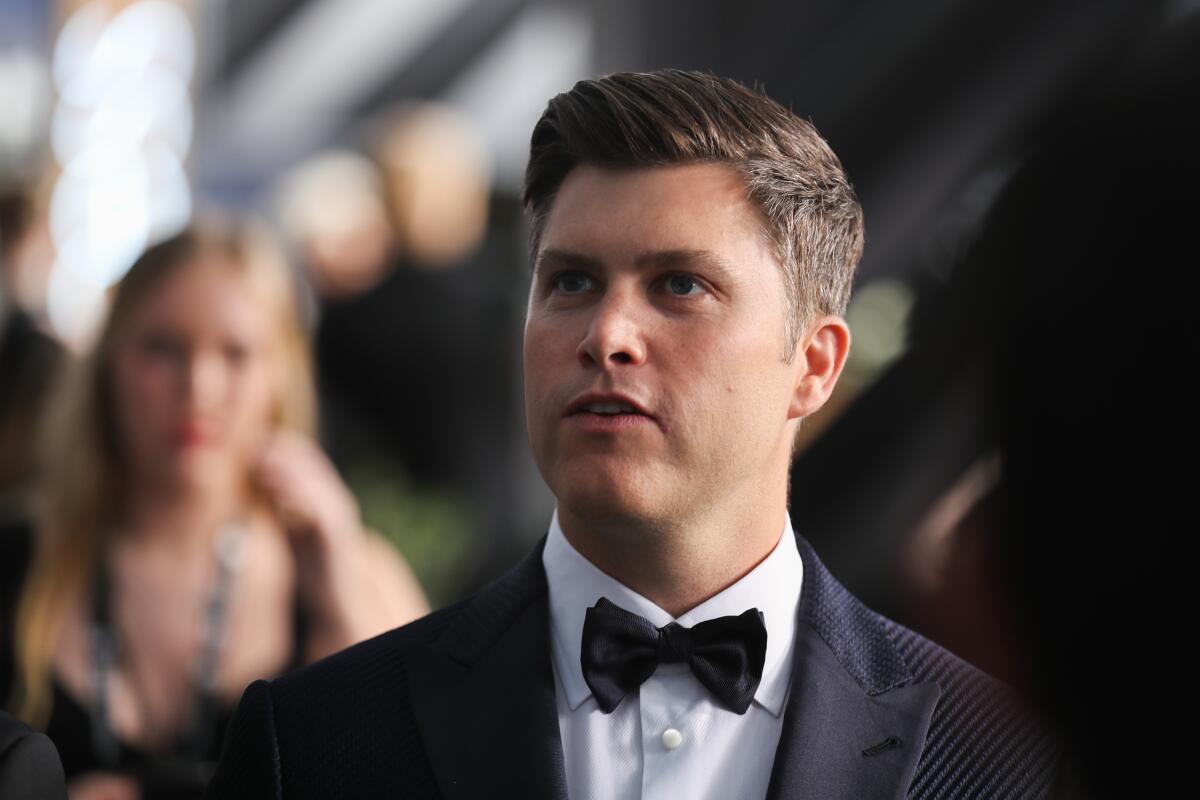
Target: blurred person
point(693, 248)
point(332, 210)
point(434, 318)
point(1094, 241)
point(440, 314)
point(436, 174)
point(190, 536)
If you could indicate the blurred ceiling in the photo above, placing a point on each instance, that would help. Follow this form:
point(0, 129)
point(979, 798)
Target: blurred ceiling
point(927, 103)
point(285, 79)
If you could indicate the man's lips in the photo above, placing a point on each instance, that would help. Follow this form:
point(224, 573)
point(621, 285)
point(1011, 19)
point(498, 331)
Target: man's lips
point(607, 404)
point(607, 412)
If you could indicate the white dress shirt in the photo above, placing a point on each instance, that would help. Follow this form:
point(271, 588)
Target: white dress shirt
point(671, 739)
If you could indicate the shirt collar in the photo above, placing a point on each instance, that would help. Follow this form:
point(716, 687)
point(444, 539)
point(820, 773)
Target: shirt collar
point(773, 587)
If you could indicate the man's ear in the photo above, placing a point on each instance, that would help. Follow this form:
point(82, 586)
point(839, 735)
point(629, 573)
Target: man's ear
point(820, 356)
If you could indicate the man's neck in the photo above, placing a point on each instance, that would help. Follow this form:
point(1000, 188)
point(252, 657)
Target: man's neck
point(678, 567)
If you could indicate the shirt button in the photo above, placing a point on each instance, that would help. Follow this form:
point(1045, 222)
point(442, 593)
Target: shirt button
point(672, 738)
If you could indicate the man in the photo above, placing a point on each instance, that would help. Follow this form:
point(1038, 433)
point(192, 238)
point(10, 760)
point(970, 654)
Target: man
point(693, 250)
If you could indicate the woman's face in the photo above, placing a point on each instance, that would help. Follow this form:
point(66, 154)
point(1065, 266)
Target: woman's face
point(194, 378)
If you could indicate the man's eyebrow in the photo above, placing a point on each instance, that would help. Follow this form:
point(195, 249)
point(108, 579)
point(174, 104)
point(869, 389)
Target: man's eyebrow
point(569, 259)
point(684, 258)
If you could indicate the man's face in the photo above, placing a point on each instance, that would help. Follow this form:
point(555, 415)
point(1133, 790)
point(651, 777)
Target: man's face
point(655, 382)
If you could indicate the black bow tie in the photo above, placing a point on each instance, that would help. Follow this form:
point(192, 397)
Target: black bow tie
point(621, 650)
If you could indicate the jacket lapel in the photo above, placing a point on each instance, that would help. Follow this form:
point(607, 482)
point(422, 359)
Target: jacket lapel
point(483, 694)
point(855, 721)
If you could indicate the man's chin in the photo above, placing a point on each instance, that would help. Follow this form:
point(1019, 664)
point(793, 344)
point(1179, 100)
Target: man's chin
point(610, 504)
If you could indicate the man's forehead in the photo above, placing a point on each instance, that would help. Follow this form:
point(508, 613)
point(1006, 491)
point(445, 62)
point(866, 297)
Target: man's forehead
point(696, 213)
point(567, 258)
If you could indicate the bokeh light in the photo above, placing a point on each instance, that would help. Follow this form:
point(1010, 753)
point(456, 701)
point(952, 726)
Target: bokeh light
point(121, 132)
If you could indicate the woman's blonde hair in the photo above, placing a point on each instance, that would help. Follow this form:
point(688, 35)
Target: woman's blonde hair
point(84, 480)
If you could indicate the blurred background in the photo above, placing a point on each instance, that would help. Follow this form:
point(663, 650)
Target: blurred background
point(385, 142)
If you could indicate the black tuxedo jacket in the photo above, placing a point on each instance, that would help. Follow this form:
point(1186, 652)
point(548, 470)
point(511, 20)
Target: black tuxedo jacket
point(461, 704)
point(29, 765)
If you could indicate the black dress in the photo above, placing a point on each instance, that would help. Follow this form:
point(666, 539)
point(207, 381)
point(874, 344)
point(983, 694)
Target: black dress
point(180, 771)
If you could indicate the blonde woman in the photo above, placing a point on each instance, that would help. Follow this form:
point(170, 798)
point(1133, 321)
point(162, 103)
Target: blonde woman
point(192, 537)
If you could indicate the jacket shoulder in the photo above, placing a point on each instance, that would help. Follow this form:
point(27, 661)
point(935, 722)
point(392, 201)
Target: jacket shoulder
point(984, 740)
point(344, 726)
point(369, 659)
point(340, 727)
point(462, 631)
point(341, 687)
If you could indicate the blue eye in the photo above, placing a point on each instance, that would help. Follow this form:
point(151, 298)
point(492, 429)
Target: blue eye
point(572, 282)
point(682, 285)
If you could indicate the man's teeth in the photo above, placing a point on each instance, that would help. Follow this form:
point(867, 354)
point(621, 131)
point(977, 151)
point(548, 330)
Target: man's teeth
point(610, 408)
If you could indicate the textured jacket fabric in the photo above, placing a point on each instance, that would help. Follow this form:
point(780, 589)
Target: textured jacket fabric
point(460, 704)
point(29, 765)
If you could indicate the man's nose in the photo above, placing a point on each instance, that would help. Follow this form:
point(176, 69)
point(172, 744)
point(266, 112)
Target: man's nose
point(615, 333)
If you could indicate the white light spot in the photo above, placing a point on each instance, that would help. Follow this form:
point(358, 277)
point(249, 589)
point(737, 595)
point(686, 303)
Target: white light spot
point(74, 306)
point(122, 129)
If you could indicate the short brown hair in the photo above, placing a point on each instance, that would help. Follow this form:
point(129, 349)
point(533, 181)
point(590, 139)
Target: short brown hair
point(811, 213)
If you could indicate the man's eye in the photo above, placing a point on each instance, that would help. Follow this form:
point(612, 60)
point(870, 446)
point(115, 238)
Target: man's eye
point(572, 282)
point(683, 285)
